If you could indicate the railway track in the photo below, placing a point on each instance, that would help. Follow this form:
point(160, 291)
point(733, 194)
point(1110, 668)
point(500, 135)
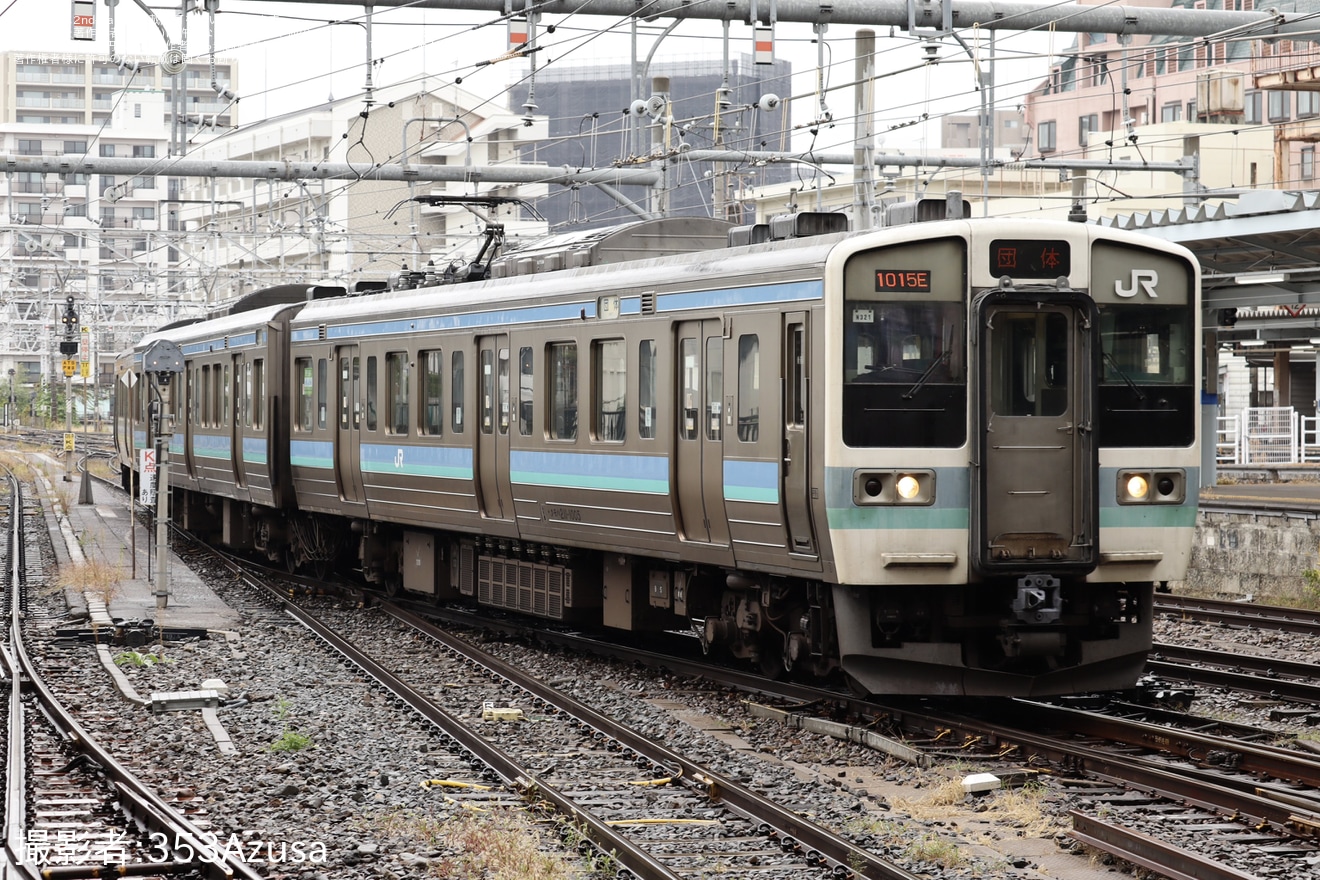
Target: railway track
point(653, 812)
point(71, 810)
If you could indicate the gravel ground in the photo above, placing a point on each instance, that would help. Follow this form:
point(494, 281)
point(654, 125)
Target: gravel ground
point(351, 804)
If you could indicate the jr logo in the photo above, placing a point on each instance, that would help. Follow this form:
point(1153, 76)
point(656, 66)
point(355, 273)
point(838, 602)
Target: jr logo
point(1142, 279)
point(398, 458)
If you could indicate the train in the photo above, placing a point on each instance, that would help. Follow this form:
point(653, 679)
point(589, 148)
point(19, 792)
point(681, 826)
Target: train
point(949, 458)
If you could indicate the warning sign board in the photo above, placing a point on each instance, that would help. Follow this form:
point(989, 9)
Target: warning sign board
point(147, 477)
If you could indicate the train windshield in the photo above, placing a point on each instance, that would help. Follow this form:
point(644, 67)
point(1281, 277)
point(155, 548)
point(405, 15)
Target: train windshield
point(905, 377)
point(1146, 391)
point(905, 345)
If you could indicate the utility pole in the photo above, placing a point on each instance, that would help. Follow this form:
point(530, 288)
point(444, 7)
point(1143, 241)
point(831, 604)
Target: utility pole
point(162, 360)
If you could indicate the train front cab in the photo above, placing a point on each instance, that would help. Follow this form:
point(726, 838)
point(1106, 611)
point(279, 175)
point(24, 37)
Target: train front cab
point(1003, 399)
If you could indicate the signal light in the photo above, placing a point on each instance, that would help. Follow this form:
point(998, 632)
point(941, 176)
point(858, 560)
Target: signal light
point(1227, 317)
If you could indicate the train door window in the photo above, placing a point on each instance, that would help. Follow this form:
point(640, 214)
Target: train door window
point(611, 381)
point(396, 366)
point(433, 389)
point(1030, 374)
point(563, 391)
point(646, 389)
point(322, 389)
point(223, 414)
point(193, 415)
point(504, 391)
point(302, 371)
point(749, 388)
point(371, 393)
point(687, 428)
point(244, 377)
point(715, 388)
point(347, 368)
point(487, 391)
point(258, 394)
point(525, 386)
point(795, 405)
point(456, 393)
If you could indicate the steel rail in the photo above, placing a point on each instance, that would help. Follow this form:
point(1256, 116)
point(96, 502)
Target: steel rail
point(136, 799)
point(1139, 849)
point(1245, 614)
point(742, 800)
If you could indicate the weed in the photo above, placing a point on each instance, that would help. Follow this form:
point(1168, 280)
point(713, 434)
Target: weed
point(95, 577)
point(499, 845)
point(135, 658)
point(291, 741)
point(933, 848)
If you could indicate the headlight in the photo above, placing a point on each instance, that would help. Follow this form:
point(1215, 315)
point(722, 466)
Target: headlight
point(891, 487)
point(1152, 487)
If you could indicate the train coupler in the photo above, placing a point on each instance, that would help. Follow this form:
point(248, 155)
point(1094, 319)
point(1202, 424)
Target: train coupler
point(1039, 599)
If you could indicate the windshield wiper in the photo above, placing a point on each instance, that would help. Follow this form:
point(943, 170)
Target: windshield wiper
point(1109, 359)
point(911, 392)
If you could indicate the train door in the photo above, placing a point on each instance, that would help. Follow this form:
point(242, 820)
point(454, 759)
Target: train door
point(348, 437)
point(494, 496)
point(192, 376)
point(1037, 484)
point(794, 476)
point(238, 394)
point(699, 453)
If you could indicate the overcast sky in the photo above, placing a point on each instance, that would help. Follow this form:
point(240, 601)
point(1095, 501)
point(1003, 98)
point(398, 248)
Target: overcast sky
point(294, 55)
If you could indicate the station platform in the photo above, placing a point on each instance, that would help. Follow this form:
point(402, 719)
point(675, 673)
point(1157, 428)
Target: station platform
point(114, 556)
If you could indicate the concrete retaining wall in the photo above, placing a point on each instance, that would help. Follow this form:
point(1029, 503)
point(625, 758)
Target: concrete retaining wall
point(1265, 556)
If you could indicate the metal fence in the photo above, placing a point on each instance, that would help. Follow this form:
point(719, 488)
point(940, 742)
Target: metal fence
point(1267, 435)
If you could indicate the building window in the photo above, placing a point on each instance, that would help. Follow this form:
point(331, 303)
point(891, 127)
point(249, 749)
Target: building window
point(1191, 111)
point(1253, 107)
point(1045, 134)
point(144, 151)
point(29, 147)
point(1308, 163)
point(1277, 103)
point(1086, 126)
point(1308, 104)
point(1171, 112)
point(75, 148)
point(107, 151)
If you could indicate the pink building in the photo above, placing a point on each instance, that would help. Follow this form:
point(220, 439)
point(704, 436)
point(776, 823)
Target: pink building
point(1105, 86)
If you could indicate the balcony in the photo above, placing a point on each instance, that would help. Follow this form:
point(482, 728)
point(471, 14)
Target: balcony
point(1286, 65)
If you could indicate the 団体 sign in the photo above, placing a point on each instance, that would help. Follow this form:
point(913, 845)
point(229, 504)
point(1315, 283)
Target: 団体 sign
point(147, 482)
point(84, 19)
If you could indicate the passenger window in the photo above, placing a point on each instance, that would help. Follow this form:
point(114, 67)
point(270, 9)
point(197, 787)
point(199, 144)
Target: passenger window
point(715, 388)
point(302, 370)
point(611, 379)
point(563, 391)
point(396, 364)
point(456, 393)
point(646, 389)
point(371, 393)
point(525, 391)
point(749, 388)
point(433, 392)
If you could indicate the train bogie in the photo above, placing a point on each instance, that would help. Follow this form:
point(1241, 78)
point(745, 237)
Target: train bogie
point(945, 459)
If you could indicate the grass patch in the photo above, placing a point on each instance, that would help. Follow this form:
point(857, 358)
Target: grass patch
point(291, 741)
point(97, 578)
point(497, 845)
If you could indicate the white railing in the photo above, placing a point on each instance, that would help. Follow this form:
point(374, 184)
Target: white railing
point(1267, 435)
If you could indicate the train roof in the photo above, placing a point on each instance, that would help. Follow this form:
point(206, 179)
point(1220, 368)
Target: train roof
point(643, 239)
point(218, 327)
point(772, 261)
